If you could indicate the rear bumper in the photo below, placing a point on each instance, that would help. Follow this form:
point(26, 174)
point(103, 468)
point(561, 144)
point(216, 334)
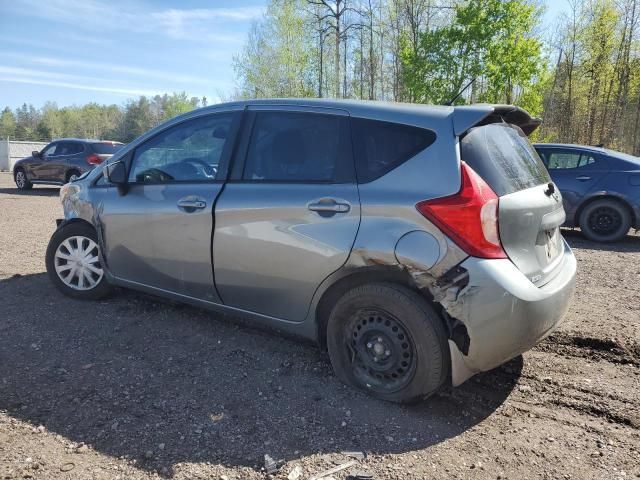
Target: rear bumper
point(505, 314)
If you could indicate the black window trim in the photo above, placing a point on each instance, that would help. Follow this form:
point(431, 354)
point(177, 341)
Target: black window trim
point(240, 157)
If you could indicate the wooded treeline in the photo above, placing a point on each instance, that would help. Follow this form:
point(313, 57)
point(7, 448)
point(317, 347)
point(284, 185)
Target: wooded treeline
point(112, 122)
point(582, 76)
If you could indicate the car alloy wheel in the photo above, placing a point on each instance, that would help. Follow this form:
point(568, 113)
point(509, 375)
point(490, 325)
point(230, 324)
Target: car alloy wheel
point(77, 263)
point(382, 353)
point(73, 177)
point(21, 179)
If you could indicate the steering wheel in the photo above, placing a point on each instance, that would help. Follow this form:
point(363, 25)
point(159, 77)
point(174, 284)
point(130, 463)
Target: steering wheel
point(209, 170)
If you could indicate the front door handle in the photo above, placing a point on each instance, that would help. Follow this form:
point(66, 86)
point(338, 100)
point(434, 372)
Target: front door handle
point(329, 206)
point(190, 204)
point(583, 178)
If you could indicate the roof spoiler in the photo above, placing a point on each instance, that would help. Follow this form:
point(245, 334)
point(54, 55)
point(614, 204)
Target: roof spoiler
point(466, 117)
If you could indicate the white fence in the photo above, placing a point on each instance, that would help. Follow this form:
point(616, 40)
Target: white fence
point(12, 151)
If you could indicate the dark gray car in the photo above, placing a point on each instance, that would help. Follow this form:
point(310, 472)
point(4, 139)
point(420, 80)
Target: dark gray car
point(62, 161)
point(420, 245)
point(600, 188)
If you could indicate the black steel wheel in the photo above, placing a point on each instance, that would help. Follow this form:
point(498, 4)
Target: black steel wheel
point(605, 220)
point(387, 340)
point(382, 351)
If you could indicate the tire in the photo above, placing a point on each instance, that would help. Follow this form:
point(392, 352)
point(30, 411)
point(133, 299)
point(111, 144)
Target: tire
point(388, 341)
point(72, 241)
point(20, 177)
point(70, 174)
point(605, 220)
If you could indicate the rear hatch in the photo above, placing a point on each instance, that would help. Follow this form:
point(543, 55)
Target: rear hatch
point(530, 209)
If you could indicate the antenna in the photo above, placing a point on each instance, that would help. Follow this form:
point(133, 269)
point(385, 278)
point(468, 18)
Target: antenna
point(450, 102)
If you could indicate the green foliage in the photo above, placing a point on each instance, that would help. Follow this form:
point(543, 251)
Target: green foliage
point(7, 124)
point(277, 58)
point(93, 120)
point(489, 40)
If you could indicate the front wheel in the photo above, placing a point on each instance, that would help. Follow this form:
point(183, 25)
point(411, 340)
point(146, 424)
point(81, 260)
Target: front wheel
point(20, 177)
point(605, 220)
point(387, 340)
point(73, 263)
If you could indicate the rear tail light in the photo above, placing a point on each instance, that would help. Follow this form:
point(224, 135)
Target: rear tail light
point(94, 159)
point(469, 217)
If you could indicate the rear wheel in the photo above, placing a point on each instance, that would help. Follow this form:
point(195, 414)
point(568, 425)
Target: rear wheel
point(605, 220)
point(387, 340)
point(20, 177)
point(73, 263)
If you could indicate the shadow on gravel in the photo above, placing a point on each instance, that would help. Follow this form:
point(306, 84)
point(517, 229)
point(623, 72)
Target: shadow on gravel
point(630, 243)
point(34, 192)
point(138, 377)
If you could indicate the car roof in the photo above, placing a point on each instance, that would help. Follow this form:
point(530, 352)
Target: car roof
point(571, 145)
point(590, 148)
point(463, 116)
point(83, 140)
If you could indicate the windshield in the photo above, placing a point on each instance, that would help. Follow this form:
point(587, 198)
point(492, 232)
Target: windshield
point(503, 156)
point(106, 147)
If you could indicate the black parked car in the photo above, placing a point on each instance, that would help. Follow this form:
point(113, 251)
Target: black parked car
point(600, 188)
point(62, 161)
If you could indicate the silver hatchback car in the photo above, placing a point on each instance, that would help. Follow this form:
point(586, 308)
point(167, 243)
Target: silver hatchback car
point(419, 245)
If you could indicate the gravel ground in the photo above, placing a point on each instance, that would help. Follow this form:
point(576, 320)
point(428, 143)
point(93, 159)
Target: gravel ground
point(138, 387)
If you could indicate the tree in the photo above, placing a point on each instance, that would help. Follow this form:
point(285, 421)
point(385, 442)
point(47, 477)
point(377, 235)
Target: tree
point(491, 41)
point(7, 123)
point(276, 60)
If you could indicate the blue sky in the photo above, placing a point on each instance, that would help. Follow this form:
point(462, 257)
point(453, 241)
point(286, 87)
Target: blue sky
point(106, 51)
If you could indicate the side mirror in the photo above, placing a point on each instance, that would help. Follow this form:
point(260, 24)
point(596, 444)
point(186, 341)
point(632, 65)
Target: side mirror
point(116, 173)
point(35, 154)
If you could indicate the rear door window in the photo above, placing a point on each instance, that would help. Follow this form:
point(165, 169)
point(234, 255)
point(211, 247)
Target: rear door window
point(382, 146)
point(503, 156)
point(299, 147)
point(562, 160)
point(69, 148)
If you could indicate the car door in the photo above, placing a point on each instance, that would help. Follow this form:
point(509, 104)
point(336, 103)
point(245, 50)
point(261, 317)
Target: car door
point(158, 233)
point(289, 215)
point(576, 172)
point(40, 165)
point(59, 164)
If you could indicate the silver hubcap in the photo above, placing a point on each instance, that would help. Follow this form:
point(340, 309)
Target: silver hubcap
point(77, 263)
point(20, 179)
point(73, 178)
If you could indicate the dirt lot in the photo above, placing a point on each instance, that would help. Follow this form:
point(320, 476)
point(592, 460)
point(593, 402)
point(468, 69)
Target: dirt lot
point(136, 387)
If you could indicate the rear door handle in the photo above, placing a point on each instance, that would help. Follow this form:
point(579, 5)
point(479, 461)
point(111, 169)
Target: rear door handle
point(191, 204)
point(329, 206)
point(583, 178)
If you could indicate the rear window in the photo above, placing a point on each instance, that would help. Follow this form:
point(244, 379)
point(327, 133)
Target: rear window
point(106, 147)
point(382, 146)
point(503, 156)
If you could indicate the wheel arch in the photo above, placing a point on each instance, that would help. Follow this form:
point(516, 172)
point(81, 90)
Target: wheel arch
point(75, 220)
point(606, 196)
point(361, 276)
